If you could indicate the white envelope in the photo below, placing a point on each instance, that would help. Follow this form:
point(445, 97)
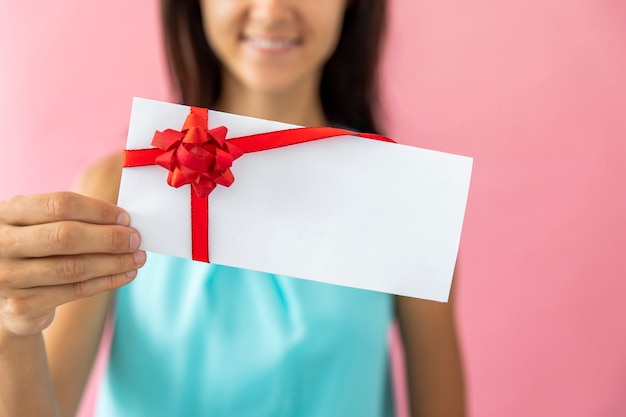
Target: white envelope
point(346, 210)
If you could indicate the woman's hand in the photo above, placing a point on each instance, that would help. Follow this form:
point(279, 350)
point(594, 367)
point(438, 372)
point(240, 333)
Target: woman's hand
point(60, 247)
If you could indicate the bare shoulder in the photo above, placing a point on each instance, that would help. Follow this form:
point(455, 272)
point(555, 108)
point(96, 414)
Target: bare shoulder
point(102, 179)
point(423, 313)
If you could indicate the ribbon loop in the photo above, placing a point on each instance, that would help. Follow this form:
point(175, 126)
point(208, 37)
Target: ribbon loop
point(197, 155)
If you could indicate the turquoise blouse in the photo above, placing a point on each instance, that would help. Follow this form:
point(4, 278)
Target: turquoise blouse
point(195, 339)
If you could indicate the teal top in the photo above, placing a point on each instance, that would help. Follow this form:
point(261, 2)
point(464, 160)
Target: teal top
point(195, 339)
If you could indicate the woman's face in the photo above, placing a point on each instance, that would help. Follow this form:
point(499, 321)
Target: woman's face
point(270, 46)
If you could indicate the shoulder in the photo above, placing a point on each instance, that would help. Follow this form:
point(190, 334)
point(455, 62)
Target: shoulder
point(102, 179)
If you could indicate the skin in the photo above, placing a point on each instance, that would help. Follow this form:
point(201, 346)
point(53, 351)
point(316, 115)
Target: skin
point(277, 80)
point(62, 254)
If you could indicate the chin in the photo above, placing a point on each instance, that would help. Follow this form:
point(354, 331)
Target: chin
point(274, 85)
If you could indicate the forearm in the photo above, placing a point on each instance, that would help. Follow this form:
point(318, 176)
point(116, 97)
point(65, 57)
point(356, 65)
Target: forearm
point(25, 383)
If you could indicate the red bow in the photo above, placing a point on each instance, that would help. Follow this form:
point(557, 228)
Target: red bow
point(197, 155)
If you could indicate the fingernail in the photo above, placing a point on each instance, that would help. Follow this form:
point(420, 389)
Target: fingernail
point(134, 240)
point(140, 257)
point(131, 274)
point(123, 219)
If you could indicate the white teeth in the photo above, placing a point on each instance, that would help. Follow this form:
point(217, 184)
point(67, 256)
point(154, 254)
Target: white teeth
point(264, 43)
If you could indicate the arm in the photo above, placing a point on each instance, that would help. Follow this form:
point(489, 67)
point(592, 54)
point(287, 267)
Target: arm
point(25, 386)
point(57, 249)
point(434, 370)
point(74, 335)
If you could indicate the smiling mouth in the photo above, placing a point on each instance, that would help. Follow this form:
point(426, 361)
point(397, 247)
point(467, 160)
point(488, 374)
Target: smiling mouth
point(270, 44)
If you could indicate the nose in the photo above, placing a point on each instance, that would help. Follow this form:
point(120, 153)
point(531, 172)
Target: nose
point(270, 11)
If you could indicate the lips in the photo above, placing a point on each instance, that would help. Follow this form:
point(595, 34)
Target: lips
point(271, 44)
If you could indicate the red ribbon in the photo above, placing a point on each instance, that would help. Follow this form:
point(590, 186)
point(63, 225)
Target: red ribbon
point(202, 157)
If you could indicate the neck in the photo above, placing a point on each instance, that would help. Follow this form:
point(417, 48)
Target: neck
point(300, 105)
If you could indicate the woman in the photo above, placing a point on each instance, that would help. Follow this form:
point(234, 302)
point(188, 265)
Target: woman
point(193, 339)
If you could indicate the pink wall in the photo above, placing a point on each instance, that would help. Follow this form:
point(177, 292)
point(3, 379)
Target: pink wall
point(534, 90)
point(68, 72)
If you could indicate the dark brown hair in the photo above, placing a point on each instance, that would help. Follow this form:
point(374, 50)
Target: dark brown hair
point(349, 84)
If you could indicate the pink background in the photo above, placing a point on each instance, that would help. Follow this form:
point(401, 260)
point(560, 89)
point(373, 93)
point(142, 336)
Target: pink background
point(534, 90)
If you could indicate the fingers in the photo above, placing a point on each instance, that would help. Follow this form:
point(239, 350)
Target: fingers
point(66, 238)
point(53, 207)
point(61, 270)
point(56, 281)
point(26, 311)
point(59, 247)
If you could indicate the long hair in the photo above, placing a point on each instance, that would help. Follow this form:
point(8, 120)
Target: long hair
point(349, 82)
